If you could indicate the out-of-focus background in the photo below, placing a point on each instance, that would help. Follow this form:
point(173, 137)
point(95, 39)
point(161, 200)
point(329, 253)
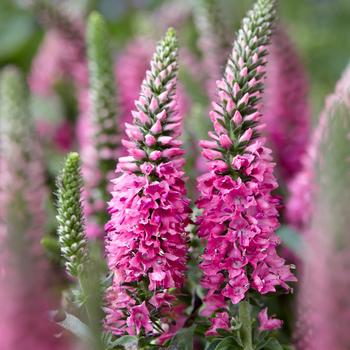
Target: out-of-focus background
point(319, 29)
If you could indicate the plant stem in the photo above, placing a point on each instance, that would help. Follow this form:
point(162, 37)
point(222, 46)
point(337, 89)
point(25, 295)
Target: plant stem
point(246, 330)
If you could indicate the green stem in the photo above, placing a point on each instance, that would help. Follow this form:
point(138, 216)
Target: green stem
point(246, 330)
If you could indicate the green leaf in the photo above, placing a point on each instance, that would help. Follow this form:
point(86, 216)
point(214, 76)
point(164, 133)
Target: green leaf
point(228, 344)
point(125, 340)
point(213, 345)
point(183, 339)
point(272, 344)
point(291, 239)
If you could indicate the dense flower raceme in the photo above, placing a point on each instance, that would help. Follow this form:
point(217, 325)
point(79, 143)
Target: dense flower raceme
point(22, 225)
point(325, 282)
point(146, 238)
point(302, 187)
point(286, 111)
point(240, 214)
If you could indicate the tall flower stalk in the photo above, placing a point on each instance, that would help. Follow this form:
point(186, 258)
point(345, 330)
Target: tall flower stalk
point(102, 111)
point(70, 218)
point(24, 273)
point(325, 281)
point(239, 214)
point(303, 187)
point(286, 111)
point(74, 248)
point(146, 241)
point(211, 41)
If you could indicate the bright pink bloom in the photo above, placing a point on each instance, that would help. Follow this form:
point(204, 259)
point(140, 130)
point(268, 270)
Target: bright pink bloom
point(220, 321)
point(286, 111)
point(239, 213)
point(268, 323)
point(146, 238)
point(138, 319)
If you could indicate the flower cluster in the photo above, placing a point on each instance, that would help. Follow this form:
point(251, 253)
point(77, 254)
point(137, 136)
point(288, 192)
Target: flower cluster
point(146, 239)
point(240, 215)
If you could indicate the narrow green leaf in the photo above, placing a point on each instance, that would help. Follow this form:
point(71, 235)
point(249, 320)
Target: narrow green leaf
point(228, 344)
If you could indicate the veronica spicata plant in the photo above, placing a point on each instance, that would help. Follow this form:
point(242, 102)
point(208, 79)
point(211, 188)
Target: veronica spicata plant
point(146, 241)
point(239, 213)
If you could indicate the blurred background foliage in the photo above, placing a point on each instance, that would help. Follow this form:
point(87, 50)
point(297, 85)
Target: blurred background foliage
point(319, 28)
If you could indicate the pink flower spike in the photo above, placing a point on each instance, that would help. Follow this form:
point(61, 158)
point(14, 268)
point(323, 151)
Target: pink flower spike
point(268, 323)
point(146, 235)
point(239, 212)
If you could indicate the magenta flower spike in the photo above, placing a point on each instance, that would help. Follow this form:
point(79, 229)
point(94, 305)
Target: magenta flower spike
point(324, 312)
point(302, 188)
point(286, 111)
point(239, 214)
point(146, 242)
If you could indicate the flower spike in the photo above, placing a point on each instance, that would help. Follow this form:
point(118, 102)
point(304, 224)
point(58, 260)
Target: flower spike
point(102, 111)
point(286, 111)
point(240, 214)
point(22, 225)
point(146, 240)
point(71, 230)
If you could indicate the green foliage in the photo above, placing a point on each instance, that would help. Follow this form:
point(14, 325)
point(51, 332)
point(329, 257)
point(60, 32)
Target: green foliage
point(71, 229)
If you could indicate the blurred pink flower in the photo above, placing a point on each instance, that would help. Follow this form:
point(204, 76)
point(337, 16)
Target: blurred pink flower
point(286, 111)
point(268, 323)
